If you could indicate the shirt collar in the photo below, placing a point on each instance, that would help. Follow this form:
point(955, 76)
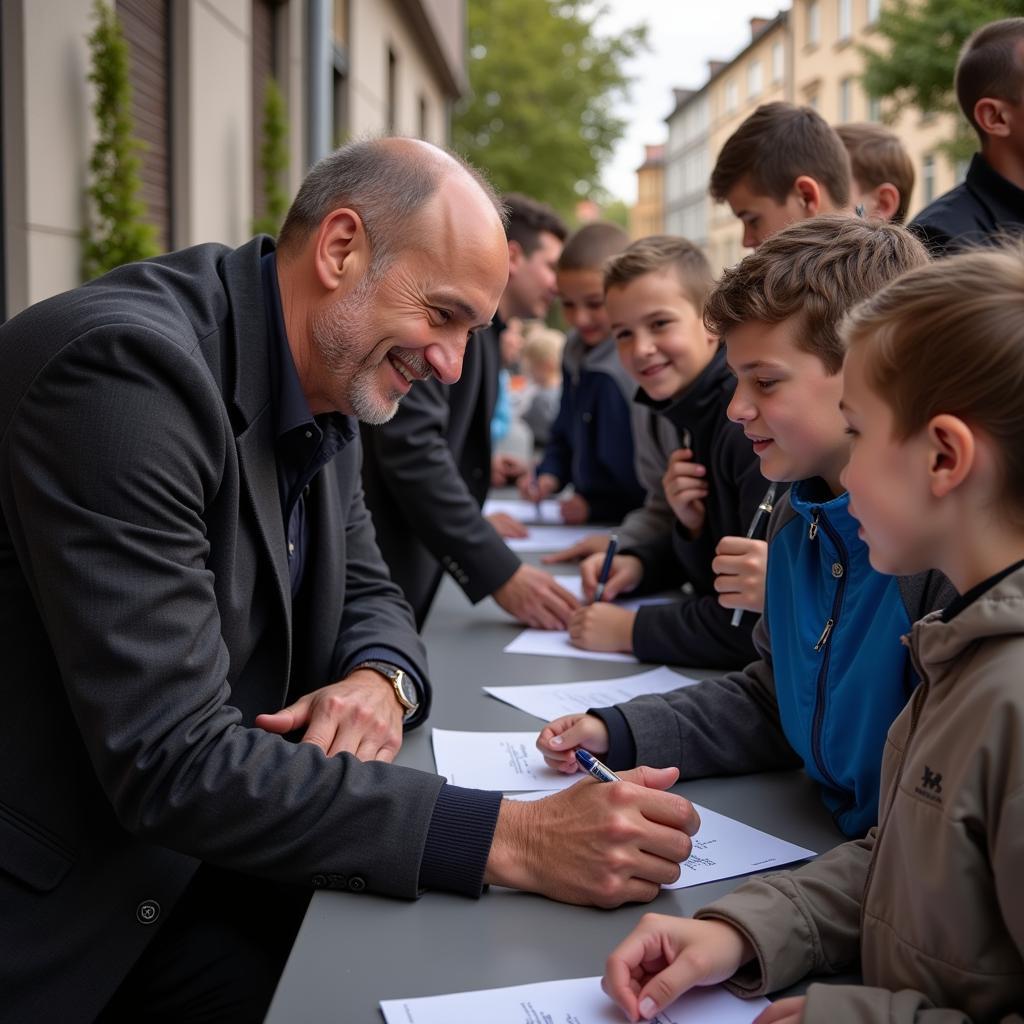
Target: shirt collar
point(984, 179)
point(959, 603)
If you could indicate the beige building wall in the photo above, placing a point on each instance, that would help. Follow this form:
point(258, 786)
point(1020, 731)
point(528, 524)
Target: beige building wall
point(377, 26)
point(828, 35)
point(647, 216)
point(46, 145)
point(760, 74)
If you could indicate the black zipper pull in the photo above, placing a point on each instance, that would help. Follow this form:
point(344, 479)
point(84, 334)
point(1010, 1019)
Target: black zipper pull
point(823, 639)
point(813, 531)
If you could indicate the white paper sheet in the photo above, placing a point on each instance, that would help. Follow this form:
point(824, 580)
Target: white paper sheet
point(555, 644)
point(549, 538)
point(526, 511)
point(495, 760)
point(575, 1001)
point(551, 700)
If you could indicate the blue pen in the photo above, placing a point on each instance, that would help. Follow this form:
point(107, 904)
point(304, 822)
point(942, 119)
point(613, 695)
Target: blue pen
point(606, 569)
point(589, 763)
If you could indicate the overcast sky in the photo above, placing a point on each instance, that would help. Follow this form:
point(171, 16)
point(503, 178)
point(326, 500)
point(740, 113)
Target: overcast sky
point(684, 35)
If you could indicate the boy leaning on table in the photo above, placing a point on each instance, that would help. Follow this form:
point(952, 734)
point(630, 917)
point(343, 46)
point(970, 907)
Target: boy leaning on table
point(831, 623)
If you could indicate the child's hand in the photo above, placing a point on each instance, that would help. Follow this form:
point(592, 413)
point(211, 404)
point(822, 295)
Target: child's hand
point(575, 510)
point(537, 488)
point(665, 956)
point(785, 1011)
point(686, 489)
point(602, 627)
point(559, 739)
point(592, 545)
point(740, 565)
point(626, 573)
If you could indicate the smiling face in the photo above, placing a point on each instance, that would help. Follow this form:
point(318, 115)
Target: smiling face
point(582, 295)
point(887, 479)
point(661, 338)
point(413, 319)
point(787, 404)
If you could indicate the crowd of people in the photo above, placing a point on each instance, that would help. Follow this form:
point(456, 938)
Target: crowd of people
point(231, 481)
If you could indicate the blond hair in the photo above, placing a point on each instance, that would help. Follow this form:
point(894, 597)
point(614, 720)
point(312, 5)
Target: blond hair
point(814, 271)
point(663, 252)
point(949, 338)
point(542, 343)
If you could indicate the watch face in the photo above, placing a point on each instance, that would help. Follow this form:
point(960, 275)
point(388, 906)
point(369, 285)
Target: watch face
point(408, 690)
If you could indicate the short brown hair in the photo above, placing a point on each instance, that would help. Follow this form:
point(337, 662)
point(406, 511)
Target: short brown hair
point(814, 270)
point(949, 338)
point(776, 145)
point(663, 252)
point(877, 157)
point(589, 246)
point(990, 66)
point(528, 219)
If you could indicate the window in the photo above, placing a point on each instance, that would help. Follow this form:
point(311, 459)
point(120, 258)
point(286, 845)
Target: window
point(875, 108)
point(731, 97)
point(813, 100)
point(846, 100)
point(845, 25)
point(391, 93)
point(754, 79)
point(778, 59)
point(928, 178)
point(813, 23)
point(424, 119)
point(874, 6)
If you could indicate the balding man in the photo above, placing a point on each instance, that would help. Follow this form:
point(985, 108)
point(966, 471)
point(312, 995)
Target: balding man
point(184, 549)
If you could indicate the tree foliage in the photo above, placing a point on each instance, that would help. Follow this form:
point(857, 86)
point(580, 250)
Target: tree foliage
point(273, 160)
point(539, 117)
point(922, 39)
point(116, 231)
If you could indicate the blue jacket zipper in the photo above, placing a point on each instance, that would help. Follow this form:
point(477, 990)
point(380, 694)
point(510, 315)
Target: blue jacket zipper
point(823, 643)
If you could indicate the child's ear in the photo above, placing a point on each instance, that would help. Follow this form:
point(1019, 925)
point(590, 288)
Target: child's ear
point(951, 453)
point(808, 192)
point(885, 201)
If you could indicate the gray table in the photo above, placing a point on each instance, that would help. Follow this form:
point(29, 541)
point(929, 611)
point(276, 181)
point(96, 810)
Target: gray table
point(354, 950)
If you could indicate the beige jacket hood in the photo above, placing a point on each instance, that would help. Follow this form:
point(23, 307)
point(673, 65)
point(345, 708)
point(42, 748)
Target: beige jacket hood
point(931, 902)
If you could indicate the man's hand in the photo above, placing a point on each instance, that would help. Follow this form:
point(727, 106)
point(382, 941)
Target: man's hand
point(506, 525)
point(602, 627)
point(575, 510)
point(686, 489)
point(538, 488)
point(595, 843)
point(559, 740)
point(592, 545)
point(626, 573)
point(506, 468)
point(740, 566)
point(360, 715)
point(534, 597)
point(665, 956)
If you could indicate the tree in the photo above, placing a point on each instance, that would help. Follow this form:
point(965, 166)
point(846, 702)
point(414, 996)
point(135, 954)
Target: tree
point(539, 116)
point(273, 160)
point(116, 231)
point(922, 41)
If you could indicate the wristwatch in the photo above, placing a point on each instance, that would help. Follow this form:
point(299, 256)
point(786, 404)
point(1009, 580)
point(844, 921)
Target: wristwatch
point(405, 688)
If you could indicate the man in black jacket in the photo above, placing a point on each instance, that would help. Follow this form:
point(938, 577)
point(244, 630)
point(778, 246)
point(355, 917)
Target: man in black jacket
point(183, 549)
point(427, 471)
point(989, 204)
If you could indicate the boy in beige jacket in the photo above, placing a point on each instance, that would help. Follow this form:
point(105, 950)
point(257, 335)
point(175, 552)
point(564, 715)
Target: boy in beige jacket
point(930, 904)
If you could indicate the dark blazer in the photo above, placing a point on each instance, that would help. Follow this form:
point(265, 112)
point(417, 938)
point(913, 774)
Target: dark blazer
point(146, 618)
point(426, 474)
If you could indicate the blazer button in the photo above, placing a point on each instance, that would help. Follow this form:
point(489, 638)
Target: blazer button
point(319, 881)
point(147, 912)
point(356, 884)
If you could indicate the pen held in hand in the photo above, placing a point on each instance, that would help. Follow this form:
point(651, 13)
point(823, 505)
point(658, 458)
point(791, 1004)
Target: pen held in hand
point(765, 508)
point(606, 569)
point(590, 764)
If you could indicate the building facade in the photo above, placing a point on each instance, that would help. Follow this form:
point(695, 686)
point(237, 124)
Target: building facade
point(199, 68)
point(687, 166)
point(647, 217)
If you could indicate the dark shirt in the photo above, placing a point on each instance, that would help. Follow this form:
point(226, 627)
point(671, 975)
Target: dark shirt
point(980, 211)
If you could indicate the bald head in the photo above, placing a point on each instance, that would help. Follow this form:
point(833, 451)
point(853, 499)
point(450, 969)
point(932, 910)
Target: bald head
point(388, 182)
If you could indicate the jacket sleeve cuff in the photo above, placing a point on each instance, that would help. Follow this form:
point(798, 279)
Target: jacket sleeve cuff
point(621, 753)
point(459, 840)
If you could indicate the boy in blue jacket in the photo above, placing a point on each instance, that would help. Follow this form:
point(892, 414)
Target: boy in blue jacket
point(591, 445)
point(832, 673)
